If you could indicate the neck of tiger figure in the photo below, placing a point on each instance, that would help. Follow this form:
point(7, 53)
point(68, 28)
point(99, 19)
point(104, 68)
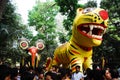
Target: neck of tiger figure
point(85, 48)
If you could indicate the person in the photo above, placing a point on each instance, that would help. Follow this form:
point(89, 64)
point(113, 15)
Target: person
point(15, 74)
point(65, 74)
point(5, 72)
point(40, 73)
point(77, 75)
point(28, 76)
point(88, 74)
point(107, 74)
point(114, 74)
point(51, 76)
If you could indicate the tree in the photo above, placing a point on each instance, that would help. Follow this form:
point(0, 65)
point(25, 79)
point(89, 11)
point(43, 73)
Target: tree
point(42, 16)
point(11, 30)
point(110, 47)
point(2, 6)
point(91, 4)
point(68, 8)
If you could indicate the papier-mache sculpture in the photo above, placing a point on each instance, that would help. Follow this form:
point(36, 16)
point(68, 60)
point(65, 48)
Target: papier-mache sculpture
point(32, 51)
point(88, 28)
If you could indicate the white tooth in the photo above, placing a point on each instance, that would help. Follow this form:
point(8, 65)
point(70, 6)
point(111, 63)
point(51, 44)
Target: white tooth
point(89, 33)
point(93, 35)
point(91, 27)
point(104, 31)
point(97, 36)
point(101, 28)
point(84, 31)
point(100, 36)
point(95, 26)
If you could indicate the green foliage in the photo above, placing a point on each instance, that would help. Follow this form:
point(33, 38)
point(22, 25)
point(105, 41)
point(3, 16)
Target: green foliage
point(113, 10)
point(68, 8)
point(91, 4)
point(42, 16)
point(110, 47)
point(11, 30)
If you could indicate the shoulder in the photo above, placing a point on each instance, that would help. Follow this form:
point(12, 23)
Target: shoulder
point(80, 73)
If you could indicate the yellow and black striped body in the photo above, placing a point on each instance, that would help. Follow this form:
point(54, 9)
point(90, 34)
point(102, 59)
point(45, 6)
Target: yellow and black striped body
point(88, 28)
point(70, 55)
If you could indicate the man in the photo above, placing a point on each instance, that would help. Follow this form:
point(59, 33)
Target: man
point(77, 75)
point(5, 72)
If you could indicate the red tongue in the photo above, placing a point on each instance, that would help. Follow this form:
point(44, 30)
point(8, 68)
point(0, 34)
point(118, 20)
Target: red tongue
point(103, 14)
point(33, 50)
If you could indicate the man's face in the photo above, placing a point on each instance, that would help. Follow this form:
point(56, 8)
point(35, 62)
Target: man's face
point(108, 74)
point(77, 69)
point(8, 78)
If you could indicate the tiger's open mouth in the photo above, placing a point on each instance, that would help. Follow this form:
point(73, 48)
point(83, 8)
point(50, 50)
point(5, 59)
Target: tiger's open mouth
point(92, 30)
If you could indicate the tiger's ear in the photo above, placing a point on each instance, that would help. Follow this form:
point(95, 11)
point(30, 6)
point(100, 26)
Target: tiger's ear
point(79, 10)
point(40, 44)
point(23, 43)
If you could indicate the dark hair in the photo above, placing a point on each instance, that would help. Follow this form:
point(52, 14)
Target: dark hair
point(27, 76)
point(63, 72)
point(4, 71)
point(54, 76)
point(77, 66)
point(114, 73)
point(14, 72)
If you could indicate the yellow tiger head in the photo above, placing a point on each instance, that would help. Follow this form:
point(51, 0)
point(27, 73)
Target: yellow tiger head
point(89, 26)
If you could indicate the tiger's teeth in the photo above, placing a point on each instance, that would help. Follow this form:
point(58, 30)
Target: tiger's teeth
point(84, 31)
point(96, 36)
point(89, 33)
point(104, 31)
point(91, 27)
point(95, 26)
point(100, 37)
point(100, 27)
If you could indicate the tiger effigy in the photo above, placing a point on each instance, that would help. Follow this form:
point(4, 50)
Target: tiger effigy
point(88, 28)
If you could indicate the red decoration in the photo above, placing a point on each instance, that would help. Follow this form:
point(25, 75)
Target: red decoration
point(23, 44)
point(33, 50)
point(103, 14)
point(40, 45)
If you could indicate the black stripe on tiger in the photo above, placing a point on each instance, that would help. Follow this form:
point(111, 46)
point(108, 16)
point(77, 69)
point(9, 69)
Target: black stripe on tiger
point(73, 46)
point(62, 56)
point(66, 54)
point(59, 57)
point(73, 59)
point(70, 52)
point(74, 64)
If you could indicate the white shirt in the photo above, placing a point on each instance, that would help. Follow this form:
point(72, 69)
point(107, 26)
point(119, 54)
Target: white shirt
point(77, 76)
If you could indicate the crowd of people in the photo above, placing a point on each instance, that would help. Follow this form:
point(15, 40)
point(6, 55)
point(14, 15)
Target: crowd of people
point(56, 73)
